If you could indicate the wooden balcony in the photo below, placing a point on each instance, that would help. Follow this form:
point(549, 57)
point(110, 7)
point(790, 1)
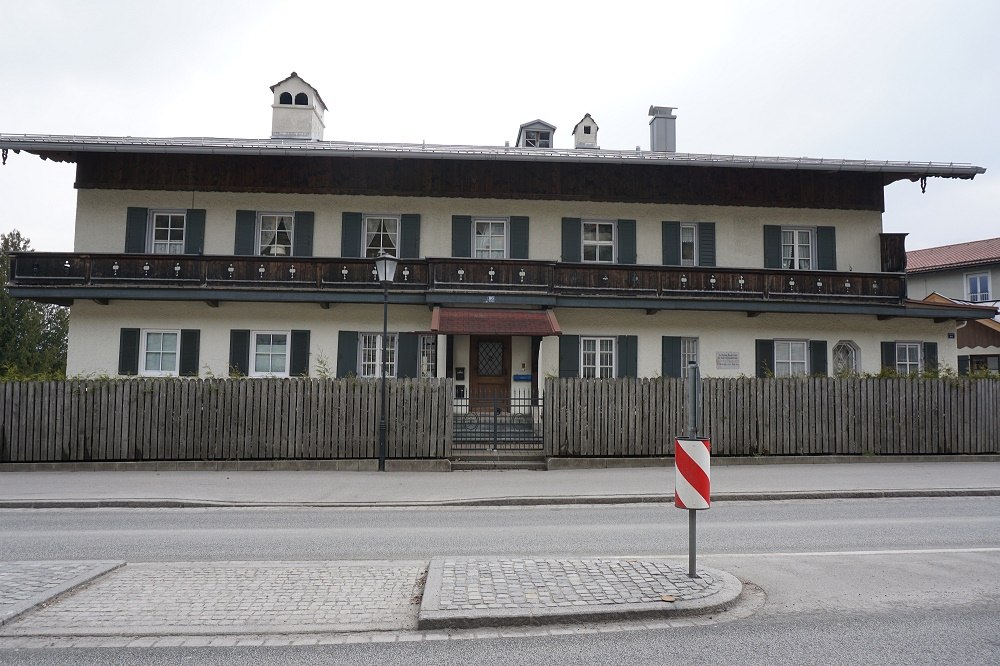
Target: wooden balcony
point(71, 275)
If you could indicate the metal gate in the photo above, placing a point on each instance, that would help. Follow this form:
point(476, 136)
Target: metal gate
point(498, 422)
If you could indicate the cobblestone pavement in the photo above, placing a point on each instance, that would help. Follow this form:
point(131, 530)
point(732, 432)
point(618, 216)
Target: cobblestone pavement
point(155, 599)
point(27, 584)
point(470, 591)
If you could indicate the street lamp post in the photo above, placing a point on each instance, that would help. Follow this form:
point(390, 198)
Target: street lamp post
point(385, 265)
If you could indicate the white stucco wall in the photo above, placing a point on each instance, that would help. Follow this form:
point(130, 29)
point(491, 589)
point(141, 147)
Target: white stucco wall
point(739, 230)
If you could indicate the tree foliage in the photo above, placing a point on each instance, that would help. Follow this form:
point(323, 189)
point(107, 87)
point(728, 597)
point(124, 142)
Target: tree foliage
point(32, 335)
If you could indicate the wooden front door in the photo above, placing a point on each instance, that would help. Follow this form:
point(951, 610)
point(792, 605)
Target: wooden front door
point(489, 374)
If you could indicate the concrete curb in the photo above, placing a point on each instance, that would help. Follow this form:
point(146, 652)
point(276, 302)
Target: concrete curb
point(169, 503)
point(99, 569)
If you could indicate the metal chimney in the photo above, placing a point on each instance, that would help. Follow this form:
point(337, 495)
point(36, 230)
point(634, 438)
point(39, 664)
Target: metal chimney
point(663, 129)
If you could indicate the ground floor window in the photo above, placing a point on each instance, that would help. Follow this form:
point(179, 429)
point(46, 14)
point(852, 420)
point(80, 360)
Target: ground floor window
point(428, 356)
point(985, 363)
point(689, 354)
point(790, 358)
point(907, 358)
point(846, 358)
point(269, 353)
point(159, 353)
point(597, 358)
point(370, 352)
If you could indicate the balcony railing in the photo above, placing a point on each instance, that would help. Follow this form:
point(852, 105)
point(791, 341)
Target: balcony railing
point(449, 275)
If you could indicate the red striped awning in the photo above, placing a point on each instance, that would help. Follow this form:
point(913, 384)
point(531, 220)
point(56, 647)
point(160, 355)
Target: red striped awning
point(482, 321)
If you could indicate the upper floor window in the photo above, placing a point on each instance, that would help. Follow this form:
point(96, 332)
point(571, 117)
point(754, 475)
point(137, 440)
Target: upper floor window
point(908, 358)
point(846, 358)
point(274, 234)
point(168, 232)
point(791, 358)
point(689, 245)
point(597, 358)
point(381, 235)
point(978, 285)
point(490, 238)
point(159, 353)
point(269, 353)
point(538, 139)
point(599, 241)
point(797, 249)
point(370, 355)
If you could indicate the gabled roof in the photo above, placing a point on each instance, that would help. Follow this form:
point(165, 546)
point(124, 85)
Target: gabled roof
point(959, 255)
point(293, 75)
point(585, 116)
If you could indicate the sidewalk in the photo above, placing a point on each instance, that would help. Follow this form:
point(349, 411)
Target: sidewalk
point(648, 484)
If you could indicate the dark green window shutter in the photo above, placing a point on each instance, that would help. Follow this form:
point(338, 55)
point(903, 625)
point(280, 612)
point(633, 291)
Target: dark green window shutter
point(930, 357)
point(626, 242)
point(671, 361)
point(190, 349)
point(298, 357)
point(671, 243)
point(569, 356)
point(194, 232)
point(706, 243)
point(572, 239)
point(128, 352)
point(461, 235)
point(518, 237)
point(888, 355)
point(407, 350)
point(352, 235)
point(239, 353)
point(302, 234)
point(765, 358)
point(409, 236)
point(136, 223)
point(964, 365)
point(628, 356)
point(347, 353)
point(817, 357)
point(826, 248)
point(246, 233)
point(772, 246)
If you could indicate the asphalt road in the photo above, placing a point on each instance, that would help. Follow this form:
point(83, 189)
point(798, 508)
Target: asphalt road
point(914, 581)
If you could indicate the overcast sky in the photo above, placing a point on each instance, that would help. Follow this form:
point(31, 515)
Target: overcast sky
point(874, 79)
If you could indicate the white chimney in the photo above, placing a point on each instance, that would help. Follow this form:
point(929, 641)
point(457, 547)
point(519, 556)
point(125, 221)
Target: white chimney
point(663, 129)
point(297, 111)
point(585, 133)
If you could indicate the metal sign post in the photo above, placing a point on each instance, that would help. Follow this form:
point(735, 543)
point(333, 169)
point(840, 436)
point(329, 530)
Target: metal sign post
point(692, 481)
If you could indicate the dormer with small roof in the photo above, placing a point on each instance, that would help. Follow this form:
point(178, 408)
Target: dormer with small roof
point(297, 111)
point(536, 134)
point(585, 133)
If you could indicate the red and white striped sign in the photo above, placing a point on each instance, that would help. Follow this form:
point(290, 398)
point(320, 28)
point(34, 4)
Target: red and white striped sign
point(692, 483)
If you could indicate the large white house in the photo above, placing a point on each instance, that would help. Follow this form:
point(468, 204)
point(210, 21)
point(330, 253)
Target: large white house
point(202, 257)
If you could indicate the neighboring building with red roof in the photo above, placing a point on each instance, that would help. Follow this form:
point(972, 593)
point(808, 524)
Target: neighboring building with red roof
point(964, 271)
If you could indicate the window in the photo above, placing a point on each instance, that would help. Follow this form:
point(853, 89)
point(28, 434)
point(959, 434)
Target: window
point(689, 354)
point(270, 353)
point(381, 235)
point(302, 99)
point(538, 139)
point(797, 249)
point(370, 351)
point(979, 287)
point(907, 358)
point(599, 241)
point(790, 358)
point(689, 253)
point(428, 356)
point(597, 358)
point(285, 98)
point(491, 239)
point(159, 353)
point(990, 363)
point(846, 358)
point(168, 232)
point(274, 234)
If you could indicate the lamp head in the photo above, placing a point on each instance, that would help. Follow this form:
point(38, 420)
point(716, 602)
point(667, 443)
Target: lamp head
point(385, 265)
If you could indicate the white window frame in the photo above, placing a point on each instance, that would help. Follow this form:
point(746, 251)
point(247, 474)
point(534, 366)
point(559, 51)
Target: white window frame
point(285, 249)
point(689, 352)
point(489, 253)
point(428, 350)
point(787, 365)
point(144, 349)
point(978, 296)
point(797, 258)
point(370, 355)
point(597, 244)
point(855, 358)
point(907, 366)
point(598, 366)
point(373, 252)
point(253, 354)
point(535, 139)
point(172, 246)
point(693, 230)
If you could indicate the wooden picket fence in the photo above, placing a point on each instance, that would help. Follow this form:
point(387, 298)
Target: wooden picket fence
point(221, 419)
point(784, 417)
